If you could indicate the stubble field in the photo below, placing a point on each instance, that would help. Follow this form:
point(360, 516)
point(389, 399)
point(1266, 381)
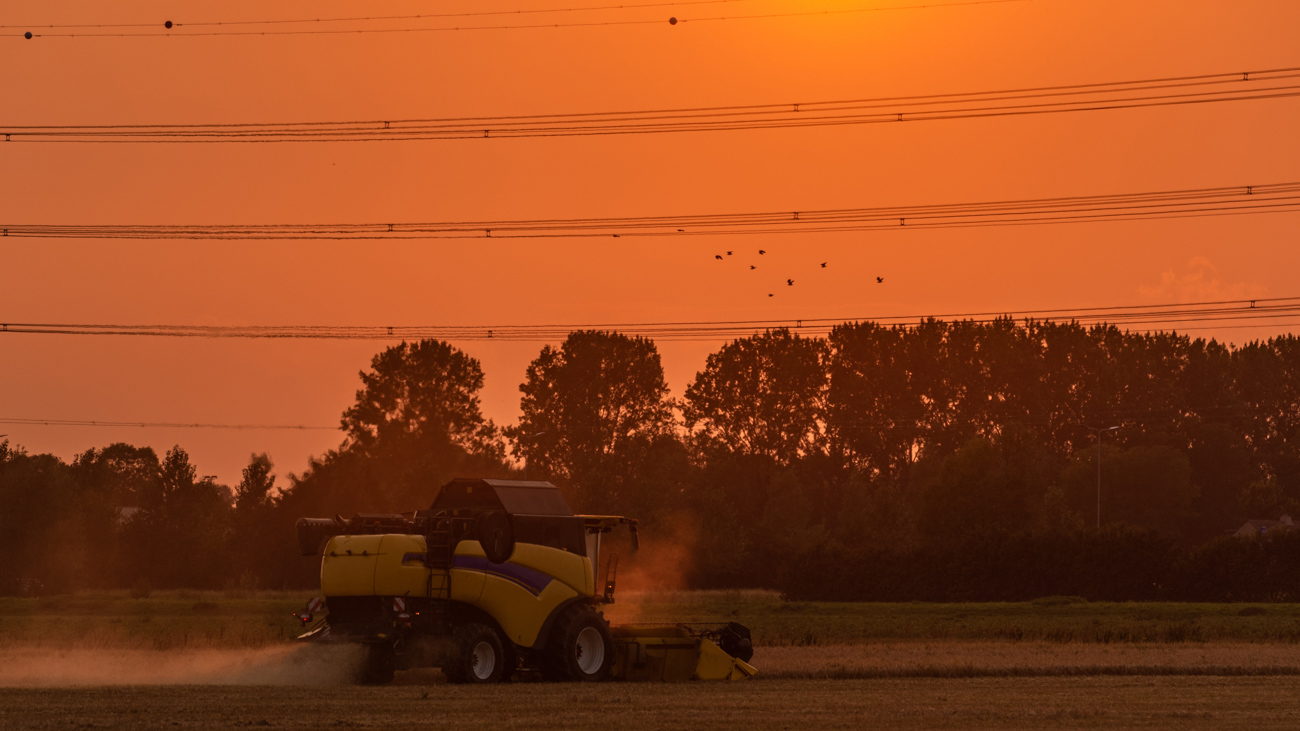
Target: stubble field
point(918, 703)
point(207, 660)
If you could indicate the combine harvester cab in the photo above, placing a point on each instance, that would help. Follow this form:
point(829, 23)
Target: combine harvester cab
point(497, 577)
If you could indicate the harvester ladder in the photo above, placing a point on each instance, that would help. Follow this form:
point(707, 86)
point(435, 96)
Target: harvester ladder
point(439, 547)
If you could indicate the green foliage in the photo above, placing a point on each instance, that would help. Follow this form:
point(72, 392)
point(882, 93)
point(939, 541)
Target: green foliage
point(255, 490)
point(1266, 497)
point(417, 390)
point(945, 459)
point(596, 419)
point(257, 527)
point(416, 424)
point(988, 486)
point(761, 395)
point(41, 549)
point(1114, 564)
point(178, 537)
point(1148, 486)
point(119, 474)
point(1236, 569)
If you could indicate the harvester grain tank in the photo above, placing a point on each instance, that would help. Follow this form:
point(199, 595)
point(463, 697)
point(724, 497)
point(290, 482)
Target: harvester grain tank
point(496, 578)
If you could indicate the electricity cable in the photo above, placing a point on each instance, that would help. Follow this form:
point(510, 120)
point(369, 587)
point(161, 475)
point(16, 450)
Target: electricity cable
point(1223, 313)
point(169, 29)
point(158, 424)
point(1156, 205)
point(372, 18)
point(1266, 84)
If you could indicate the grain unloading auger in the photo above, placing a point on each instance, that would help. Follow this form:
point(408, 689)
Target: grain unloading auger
point(498, 577)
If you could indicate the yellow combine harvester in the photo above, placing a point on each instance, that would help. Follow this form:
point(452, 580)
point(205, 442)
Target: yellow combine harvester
point(497, 578)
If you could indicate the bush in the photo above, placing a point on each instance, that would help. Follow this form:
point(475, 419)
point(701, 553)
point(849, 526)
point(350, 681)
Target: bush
point(245, 586)
point(1115, 564)
point(1232, 569)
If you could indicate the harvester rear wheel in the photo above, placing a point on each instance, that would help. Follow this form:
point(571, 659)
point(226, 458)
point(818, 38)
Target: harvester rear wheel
point(580, 647)
point(380, 665)
point(478, 656)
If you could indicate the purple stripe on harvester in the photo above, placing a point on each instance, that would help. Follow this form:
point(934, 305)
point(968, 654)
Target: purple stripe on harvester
point(534, 581)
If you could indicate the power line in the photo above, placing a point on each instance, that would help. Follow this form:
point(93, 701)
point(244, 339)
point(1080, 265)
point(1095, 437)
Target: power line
point(1223, 313)
point(169, 25)
point(176, 30)
point(159, 424)
point(1157, 205)
point(1236, 86)
point(1207, 311)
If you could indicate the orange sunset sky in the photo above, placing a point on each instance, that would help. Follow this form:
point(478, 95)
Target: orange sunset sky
point(49, 80)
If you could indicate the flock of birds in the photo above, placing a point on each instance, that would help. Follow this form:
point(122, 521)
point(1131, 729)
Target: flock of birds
point(788, 282)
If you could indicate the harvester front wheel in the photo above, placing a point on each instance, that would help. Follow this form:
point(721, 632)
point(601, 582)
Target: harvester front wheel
point(478, 656)
point(580, 648)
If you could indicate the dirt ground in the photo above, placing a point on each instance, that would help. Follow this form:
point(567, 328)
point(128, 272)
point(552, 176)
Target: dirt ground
point(911, 703)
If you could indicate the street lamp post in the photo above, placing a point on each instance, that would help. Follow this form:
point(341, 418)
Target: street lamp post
point(534, 434)
point(1099, 431)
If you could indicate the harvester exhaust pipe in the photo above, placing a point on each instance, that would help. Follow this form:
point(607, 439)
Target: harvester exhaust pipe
point(314, 532)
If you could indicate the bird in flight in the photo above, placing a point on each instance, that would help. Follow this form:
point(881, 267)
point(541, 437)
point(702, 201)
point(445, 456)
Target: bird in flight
point(761, 252)
point(680, 230)
point(751, 266)
point(880, 280)
point(728, 253)
point(823, 265)
point(718, 257)
point(789, 282)
point(771, 295)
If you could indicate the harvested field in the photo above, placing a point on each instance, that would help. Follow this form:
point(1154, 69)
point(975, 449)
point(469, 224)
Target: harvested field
point(280, 665)
point(912, 703)
point(316, 665)
point(949, 659)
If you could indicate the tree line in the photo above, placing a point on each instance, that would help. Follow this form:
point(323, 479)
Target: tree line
point(873, 447)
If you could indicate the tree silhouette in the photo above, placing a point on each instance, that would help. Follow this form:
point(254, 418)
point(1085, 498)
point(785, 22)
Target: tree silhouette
point(591, 411)
point(176, 539)
point(254, 491)
point(418, 389)
point(761, 395)
point(416, 423)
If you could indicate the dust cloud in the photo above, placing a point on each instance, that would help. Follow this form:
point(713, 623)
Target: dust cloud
point(663, 562)
point(300, 665)
point(660, 569)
